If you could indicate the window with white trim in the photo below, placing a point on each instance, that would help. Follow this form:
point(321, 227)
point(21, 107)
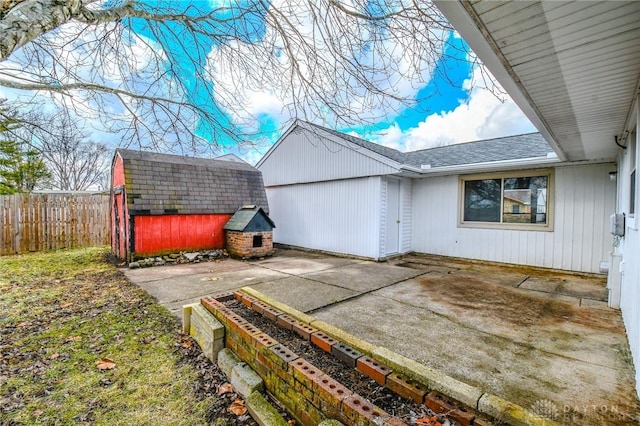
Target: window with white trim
point(507, 200)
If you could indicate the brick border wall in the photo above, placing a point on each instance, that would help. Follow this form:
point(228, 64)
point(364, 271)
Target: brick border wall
point(407, 378)
point(309, 394)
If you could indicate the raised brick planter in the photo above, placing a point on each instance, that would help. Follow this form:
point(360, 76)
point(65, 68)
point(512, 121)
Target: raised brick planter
point(310, 394)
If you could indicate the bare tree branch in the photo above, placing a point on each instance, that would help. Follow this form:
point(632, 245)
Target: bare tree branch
point(175, 76)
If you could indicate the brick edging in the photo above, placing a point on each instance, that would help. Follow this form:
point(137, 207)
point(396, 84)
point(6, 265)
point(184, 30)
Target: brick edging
point(456, 394)
point(310, 394)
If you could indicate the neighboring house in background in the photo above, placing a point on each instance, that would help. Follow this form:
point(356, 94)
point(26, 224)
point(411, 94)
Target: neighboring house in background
point(337, 193)
point(164, 203)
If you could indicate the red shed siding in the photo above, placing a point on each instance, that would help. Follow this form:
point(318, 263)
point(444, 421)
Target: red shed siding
point(170, 233)
point(118, 172)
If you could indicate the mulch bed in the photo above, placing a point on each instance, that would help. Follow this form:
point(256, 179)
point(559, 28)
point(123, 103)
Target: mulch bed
point(353, 379)
point(210, 378)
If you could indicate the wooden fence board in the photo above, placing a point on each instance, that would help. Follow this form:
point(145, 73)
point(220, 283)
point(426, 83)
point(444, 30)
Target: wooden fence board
point(38, 222)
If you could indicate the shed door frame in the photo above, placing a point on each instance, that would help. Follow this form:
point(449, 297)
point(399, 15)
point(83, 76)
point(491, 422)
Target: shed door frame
point(121, 242)
point(393, 225)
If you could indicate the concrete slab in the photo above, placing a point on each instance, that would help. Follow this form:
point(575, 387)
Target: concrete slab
point(303, 265)
point(303, 294)
point(595, 304)
point(183, 288)
point(505, 278)
point(365, 276)
point(432, 263)
point(182, 270)
point(592, 336)
point(569, 286)
point(520, 372)
point(551, 340)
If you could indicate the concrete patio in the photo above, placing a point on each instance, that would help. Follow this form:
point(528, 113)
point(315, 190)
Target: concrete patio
point(541, 339)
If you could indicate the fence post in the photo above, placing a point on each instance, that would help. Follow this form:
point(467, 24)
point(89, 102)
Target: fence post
point(16, 224)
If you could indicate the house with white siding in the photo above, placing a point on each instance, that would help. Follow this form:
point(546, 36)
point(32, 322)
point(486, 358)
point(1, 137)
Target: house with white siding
point(574, 69)
point(338, 193)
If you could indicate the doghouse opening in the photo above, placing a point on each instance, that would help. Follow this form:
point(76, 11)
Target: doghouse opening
point(257, 241)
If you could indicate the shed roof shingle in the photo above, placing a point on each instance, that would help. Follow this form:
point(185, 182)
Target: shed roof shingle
point(163, 183)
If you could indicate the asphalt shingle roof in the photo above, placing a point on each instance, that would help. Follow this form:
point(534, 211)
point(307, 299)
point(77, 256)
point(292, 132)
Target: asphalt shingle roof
point(377, 148)
point(173, 184)
point(499, 149)
point(250, 219)
point(528, 145)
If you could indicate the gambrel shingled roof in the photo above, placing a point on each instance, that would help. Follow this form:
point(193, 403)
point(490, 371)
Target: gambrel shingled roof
point(530, 145)
point(173, 184)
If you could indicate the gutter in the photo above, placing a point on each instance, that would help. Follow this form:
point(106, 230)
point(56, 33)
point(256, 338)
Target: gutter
point(524, 163)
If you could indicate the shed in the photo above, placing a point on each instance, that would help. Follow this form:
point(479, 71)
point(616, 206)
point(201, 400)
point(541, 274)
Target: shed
point(163, 203)
point(250, 233)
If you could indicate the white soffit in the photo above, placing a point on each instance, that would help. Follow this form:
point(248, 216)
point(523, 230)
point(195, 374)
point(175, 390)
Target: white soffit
point(572, 67)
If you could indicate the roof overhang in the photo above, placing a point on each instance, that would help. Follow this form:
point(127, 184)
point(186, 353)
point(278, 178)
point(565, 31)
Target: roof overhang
point(573, 68)
point(499, 166)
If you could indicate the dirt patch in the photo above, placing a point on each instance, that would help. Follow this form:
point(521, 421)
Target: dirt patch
point(511, 305)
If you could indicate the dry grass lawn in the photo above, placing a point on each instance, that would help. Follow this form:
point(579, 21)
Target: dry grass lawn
point(63, 312)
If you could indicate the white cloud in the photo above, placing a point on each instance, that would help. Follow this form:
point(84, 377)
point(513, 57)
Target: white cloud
point(274, 90)
point(481, 116)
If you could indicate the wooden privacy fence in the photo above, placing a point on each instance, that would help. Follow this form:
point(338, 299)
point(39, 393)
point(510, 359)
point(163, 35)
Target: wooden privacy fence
point(35, 222)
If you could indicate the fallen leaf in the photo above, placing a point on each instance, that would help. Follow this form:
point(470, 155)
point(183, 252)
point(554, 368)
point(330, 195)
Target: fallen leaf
point(73, 339)
point(105, 364)
point(187, 344)
point(54, 356)
point(225, 388)
point(423, 421)
point(66, 305)
point(148, 339)
point(238, 408)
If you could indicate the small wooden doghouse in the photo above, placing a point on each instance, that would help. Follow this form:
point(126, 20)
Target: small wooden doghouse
point(164, 203)
point(250, 233)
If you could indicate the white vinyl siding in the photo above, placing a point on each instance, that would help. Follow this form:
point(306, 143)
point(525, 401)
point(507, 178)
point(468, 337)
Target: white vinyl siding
point(630, 250)
point(382, 223)
point(303, 156)
point(584, 197)
point(337, 216)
